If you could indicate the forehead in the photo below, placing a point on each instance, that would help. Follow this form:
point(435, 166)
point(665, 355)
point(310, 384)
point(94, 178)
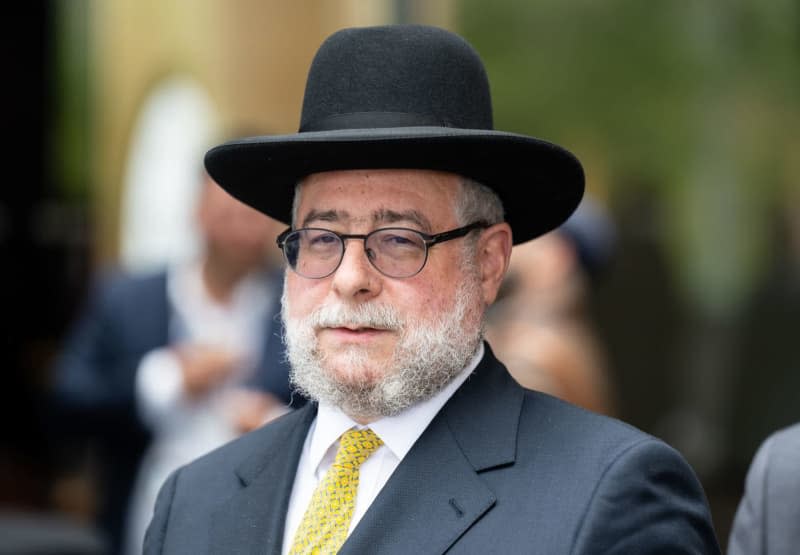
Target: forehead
point(380, 195)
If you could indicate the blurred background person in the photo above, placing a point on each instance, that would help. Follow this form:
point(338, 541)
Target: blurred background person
point(767, 520)
point(162, 367)
point(541, 326)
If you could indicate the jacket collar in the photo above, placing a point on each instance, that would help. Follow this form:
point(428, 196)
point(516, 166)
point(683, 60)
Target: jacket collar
point(437, 493)
point(433, 497)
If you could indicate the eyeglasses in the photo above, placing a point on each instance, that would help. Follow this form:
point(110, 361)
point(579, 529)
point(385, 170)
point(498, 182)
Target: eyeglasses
point(396, 252)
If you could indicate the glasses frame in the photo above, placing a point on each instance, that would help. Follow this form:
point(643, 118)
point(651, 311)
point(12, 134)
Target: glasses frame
point(427, 239)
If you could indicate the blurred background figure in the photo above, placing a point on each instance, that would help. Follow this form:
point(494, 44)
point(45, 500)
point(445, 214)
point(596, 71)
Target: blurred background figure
point(164, 366)
point(768, 515)
point(541, 325)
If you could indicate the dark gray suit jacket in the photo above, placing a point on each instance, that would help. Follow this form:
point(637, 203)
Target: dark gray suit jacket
point(499, 470)
point(767, 521)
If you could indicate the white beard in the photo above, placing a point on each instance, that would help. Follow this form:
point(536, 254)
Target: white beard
point(429, 354)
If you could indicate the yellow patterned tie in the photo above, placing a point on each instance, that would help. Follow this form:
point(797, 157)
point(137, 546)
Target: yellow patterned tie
point(327, 519)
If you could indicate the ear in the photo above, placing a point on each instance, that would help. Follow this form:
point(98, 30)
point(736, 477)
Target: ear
point(494, 252)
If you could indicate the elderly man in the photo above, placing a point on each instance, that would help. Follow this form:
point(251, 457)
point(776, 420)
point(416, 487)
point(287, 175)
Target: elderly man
point(404, 204)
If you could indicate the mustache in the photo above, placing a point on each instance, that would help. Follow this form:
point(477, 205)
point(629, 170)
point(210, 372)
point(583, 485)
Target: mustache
point(375, 316)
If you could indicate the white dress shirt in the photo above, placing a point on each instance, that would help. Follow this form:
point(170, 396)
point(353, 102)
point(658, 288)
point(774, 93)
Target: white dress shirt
point(399, 433)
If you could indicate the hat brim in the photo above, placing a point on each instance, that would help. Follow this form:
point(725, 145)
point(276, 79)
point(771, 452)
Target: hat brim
point(539, 183)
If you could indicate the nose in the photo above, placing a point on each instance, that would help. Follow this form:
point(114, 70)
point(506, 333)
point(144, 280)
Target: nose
point(356, 278)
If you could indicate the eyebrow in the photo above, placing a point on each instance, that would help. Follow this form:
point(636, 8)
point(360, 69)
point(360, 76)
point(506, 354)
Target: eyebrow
point(381, 216)
point(324, 216)
point(393, 217)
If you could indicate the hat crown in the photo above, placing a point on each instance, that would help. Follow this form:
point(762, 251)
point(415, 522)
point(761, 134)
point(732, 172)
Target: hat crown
point(396, 76)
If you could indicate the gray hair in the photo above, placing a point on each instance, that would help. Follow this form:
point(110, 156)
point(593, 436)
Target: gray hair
point(296, 201)
point(477, 202)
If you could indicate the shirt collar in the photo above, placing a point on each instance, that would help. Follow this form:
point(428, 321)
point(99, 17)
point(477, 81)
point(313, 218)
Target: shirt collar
point(399, 432)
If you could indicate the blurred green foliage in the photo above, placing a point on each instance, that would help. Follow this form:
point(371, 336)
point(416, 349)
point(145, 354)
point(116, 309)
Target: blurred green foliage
point(696, 102)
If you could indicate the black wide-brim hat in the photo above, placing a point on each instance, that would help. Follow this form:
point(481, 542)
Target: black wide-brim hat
point(402, 97)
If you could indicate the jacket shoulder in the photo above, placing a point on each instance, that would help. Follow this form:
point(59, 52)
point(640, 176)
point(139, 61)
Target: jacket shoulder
point(553, 415)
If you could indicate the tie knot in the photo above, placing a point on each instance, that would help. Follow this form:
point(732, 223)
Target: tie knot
point(355, 446)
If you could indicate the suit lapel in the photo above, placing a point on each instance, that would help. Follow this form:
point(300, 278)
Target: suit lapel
point(253, 519)
point(436, 494)
point(433, 497)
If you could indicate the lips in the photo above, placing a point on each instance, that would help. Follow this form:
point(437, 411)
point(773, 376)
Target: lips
point(353, 333)
point(350, 326)
point(354, 329)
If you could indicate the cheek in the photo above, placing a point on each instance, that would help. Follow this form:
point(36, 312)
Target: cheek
point(421, 301)
point(303, 295)
point(434, 290)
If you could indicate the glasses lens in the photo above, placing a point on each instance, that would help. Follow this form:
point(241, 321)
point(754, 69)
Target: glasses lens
point(396, 252)
point(313, 253)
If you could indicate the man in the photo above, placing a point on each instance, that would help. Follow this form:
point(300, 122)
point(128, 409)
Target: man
point(163, 367)
point(767, 521)
point(396, 188)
